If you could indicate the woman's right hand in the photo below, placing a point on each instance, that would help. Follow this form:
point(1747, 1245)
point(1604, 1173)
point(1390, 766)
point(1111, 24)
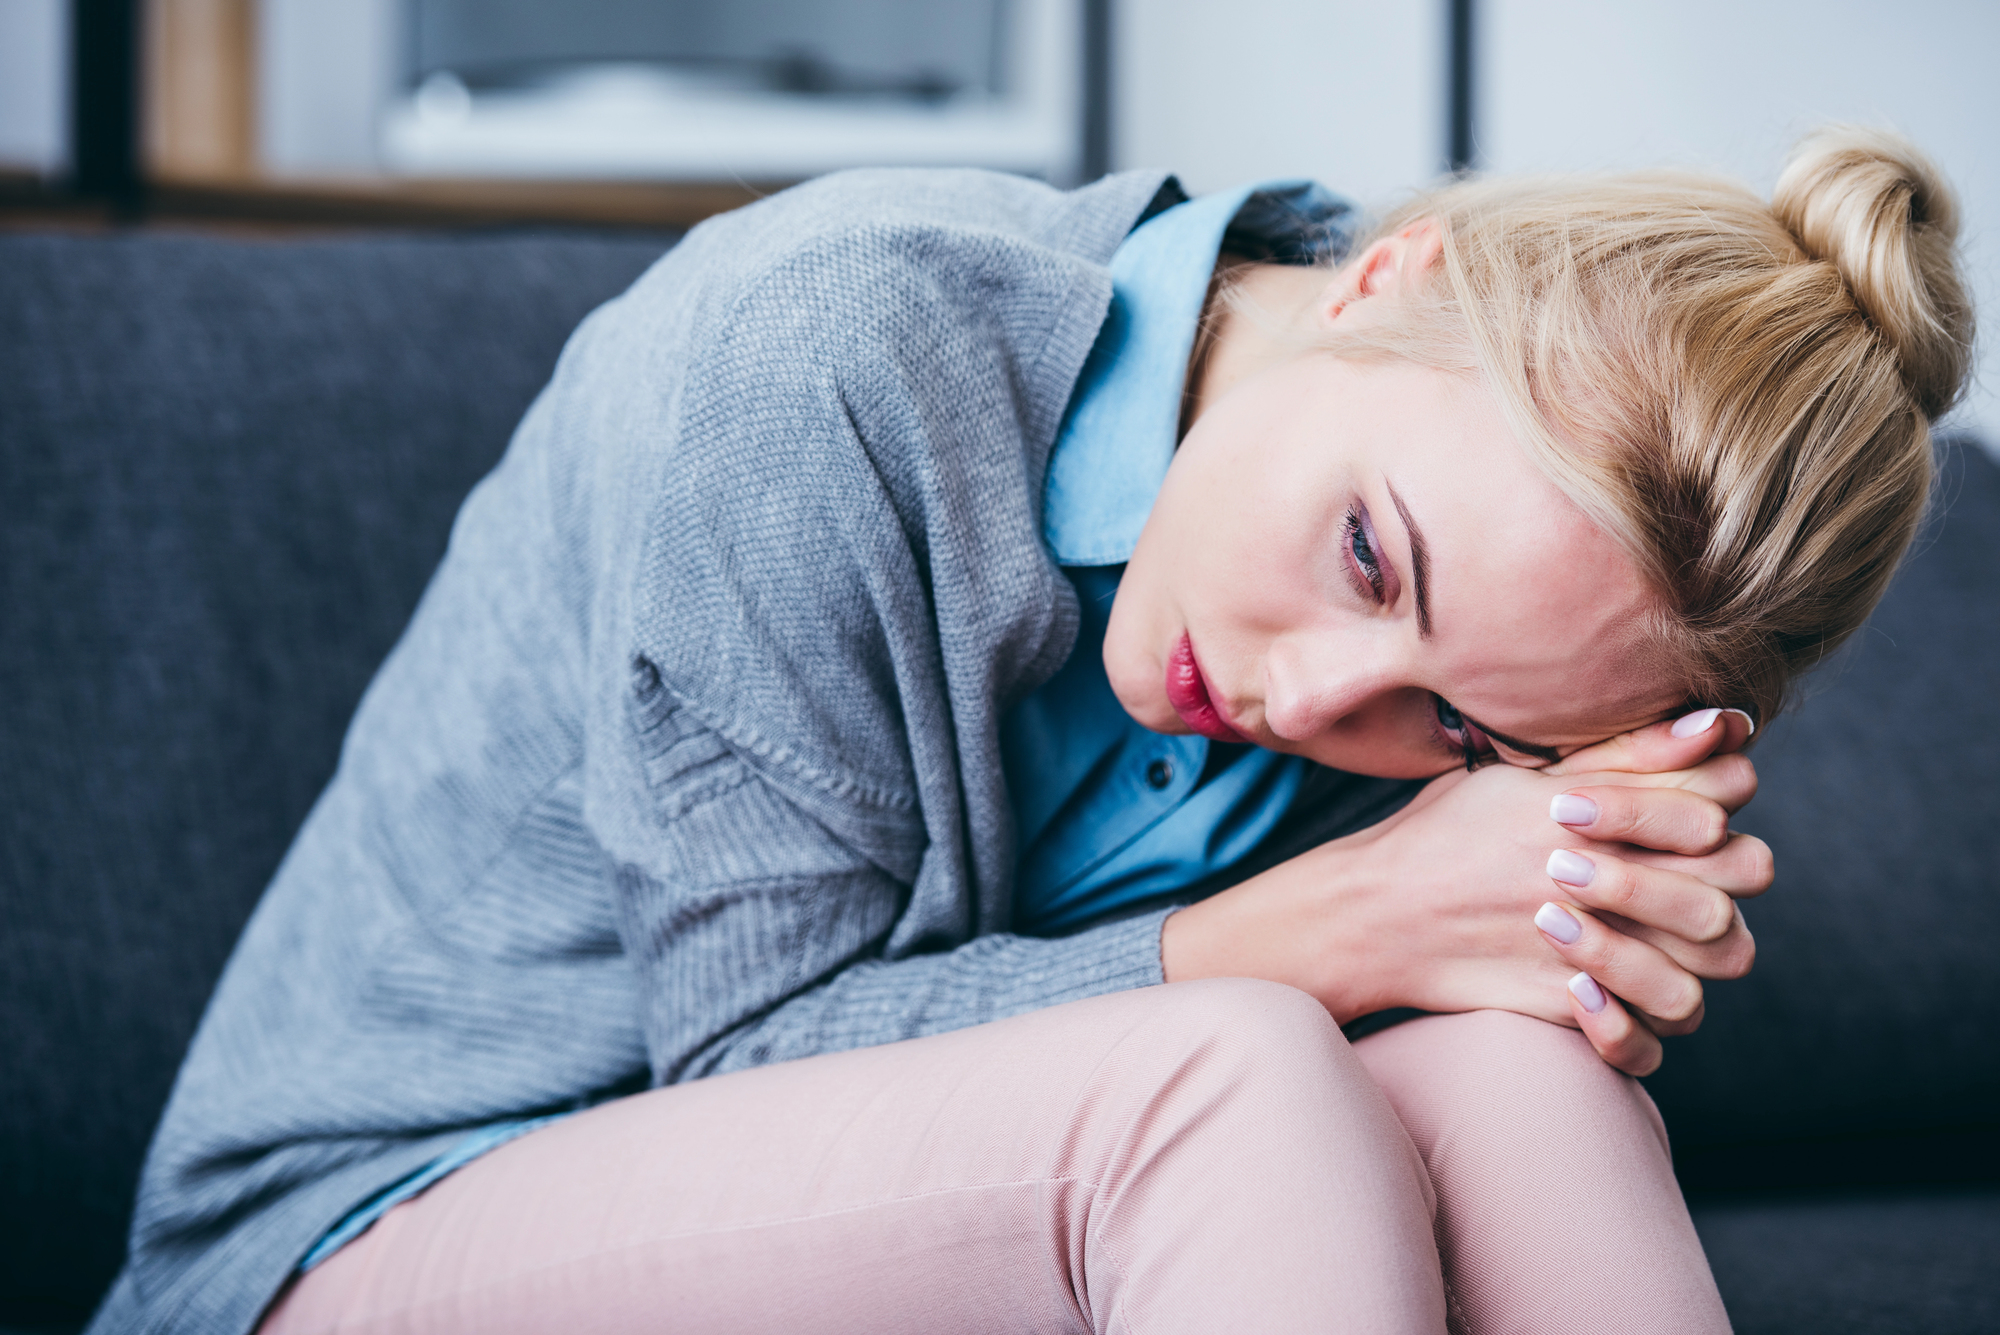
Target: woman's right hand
point(1437, 908)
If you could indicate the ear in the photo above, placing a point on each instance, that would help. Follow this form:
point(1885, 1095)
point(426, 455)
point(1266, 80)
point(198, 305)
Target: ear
point(1385, 269)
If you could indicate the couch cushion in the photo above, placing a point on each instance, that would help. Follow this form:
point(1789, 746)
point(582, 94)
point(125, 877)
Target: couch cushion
point(1876, 996)
point(228, 468)
point(1864, 1265)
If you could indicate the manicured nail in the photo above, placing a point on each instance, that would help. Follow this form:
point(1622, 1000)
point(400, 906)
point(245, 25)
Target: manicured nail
point(1569, 809)
point(1571, 868)
point(1557, 922)
point(1693, 725)
point(1744, 714)
point(1585, 989)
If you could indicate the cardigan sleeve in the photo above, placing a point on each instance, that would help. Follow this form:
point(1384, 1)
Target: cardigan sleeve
point(757, 935)
point(815, 515)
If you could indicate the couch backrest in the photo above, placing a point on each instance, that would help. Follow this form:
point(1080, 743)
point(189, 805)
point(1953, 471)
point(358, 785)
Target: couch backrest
point(226, 470)
point(1874, 1007)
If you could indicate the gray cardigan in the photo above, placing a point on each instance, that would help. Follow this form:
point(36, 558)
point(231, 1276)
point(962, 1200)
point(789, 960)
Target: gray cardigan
point(688, 761)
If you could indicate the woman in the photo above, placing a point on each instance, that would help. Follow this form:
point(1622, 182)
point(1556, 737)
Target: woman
point(906, 631)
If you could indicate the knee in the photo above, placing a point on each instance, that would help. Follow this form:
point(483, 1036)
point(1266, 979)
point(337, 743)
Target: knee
point(1261, 1069)
point(1497, 1065)
point(1246, 1014)
point(1245, 1033)
point(1499, 1052)
point(1503, 1038)
point(1498, 1047)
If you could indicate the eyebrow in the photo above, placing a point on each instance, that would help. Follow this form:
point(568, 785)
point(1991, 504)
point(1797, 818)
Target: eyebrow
point(1420, 563)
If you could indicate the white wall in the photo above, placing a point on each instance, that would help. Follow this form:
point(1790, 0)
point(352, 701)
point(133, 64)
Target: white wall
point(1728, 84)
point(34, 86)
point(1349, 92)
point(325, 71)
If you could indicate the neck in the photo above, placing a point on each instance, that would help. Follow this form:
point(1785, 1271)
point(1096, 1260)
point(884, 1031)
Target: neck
point(1255, 317)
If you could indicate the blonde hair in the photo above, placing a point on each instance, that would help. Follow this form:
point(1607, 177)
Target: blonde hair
point(1740, 394)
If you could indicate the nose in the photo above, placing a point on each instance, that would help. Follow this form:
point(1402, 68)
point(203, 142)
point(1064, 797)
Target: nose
point(1311, 685)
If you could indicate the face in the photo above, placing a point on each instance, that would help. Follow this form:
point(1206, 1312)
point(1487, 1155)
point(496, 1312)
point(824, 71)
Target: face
point(1340, 546)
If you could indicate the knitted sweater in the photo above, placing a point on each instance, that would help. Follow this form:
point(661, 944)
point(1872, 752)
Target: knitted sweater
point(688, 760)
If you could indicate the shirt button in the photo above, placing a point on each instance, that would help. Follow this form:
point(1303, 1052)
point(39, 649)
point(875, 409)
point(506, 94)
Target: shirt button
point(1159, 774)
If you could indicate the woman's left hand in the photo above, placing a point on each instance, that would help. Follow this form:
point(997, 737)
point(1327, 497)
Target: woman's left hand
point(1624, 878)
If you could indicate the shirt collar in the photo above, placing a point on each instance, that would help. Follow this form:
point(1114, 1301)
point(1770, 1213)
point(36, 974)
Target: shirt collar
point(1123, 422)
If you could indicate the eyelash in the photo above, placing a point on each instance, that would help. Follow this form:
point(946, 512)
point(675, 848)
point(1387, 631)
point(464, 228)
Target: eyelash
point(1366, 570)
point(1463, 744)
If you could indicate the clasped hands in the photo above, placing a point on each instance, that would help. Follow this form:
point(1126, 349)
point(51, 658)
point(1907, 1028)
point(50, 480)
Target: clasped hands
point(1599, 892)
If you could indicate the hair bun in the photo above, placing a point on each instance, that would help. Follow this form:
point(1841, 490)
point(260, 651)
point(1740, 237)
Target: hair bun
point(1879, 211)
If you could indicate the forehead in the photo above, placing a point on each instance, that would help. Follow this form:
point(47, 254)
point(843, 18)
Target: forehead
point(1539, 619)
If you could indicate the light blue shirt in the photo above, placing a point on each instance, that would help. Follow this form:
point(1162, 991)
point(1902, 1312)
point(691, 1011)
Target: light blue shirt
point(1108, 814)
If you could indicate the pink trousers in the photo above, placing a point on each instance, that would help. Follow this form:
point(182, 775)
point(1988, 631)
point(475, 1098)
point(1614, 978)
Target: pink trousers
point(1201, 1157)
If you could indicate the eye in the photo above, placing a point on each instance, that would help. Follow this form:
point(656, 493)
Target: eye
point(1365, 568)
point(1455, 734)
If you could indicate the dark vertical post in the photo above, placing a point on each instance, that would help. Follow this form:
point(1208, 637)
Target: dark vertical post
point(104, 102)
point(1096, 147)
point(1459, 152)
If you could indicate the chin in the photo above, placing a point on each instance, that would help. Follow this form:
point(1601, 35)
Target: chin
point(1148, 707)
point(1154, 715)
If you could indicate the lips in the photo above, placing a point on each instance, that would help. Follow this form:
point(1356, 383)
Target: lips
point(1187, 692)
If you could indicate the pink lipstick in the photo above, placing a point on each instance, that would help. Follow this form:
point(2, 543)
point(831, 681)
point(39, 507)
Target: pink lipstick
point(1187, 692)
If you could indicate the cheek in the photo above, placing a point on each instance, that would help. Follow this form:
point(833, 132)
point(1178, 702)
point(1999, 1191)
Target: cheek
point(1252, 497)
point(1384, 757)
point(1265, 569)
point(1388, 738)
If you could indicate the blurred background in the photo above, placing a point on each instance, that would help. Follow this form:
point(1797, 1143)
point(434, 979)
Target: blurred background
point(651, 113)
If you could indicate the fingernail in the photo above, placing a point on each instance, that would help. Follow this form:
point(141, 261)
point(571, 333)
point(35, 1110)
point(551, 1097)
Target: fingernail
point(1693, 725)
point(1744, 714)
point(1569, 809)
point(1557, 922)
point(1585, 989)
point(1571, 868)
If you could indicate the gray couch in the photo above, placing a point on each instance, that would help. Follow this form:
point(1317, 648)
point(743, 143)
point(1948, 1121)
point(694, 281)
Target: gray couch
point(227, 467)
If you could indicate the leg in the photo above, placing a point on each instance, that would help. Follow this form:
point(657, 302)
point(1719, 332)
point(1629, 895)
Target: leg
point(1557, 1209)
point(1204, 1157)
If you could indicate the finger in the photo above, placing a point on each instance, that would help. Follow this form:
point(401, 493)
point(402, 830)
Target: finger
point(1670, 820)
point(1728, 958)
point(1671, 744)
point(1671, 1028)
point(1739, 729)
point(1730, 781)
point(1619, 1039)
point(1742, 868)
point(1636, 970)
point(1672, 901)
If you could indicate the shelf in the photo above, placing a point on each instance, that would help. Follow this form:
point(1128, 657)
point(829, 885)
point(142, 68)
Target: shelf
point(372, 202)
